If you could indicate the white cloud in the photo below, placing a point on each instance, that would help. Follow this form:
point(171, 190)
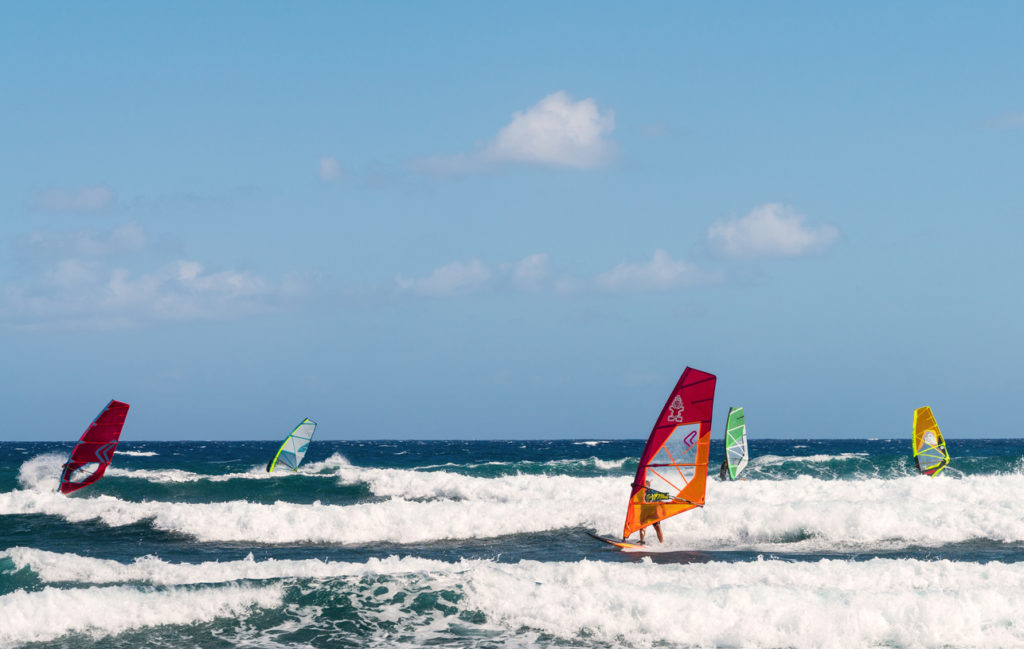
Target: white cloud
point(85, 199)
point(184, 290)
point(771, 230)
point(451, 279)
point(556, 131)
point(71, 273)
point(660, 273)
point(531, 273)
point(126, 238)
point(330, 169)
point(89, 287)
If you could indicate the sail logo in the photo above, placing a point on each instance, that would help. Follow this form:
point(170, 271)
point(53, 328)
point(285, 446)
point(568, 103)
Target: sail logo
point(690, 439)
point(675, 410)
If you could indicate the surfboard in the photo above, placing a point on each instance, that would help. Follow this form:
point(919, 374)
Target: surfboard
point(624, 545)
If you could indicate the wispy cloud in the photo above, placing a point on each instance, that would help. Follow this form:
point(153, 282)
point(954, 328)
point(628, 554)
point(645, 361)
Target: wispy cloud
point(556, 131)
point(330, 169)
point(659, 274)
point(771, 230)
point(86, 284)
point(126, 238)
point(533, 274)
point(84, 199)
point(452, 279)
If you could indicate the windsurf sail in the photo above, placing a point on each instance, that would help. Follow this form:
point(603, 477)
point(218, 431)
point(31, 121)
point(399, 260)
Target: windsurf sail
point(673, 471)
point(735, 443)
point(930, 453)
point(294, 447)
point(95, 449)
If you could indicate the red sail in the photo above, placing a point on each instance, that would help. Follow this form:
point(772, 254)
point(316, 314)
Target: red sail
point(95, 449)
point(673, 470)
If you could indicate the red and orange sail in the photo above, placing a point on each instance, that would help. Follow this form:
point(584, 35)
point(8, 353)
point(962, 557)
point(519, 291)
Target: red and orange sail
point(673, 471)
point(95, 449)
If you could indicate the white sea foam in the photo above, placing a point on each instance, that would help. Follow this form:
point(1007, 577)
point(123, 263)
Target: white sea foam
point(324, 469)
point(395, 520)
point(42, 472)
point(591, 442)
point(178, 475)
point(605, 465)
point(824, 604)
point(903, 603)
point(47, 614)
point(608, 465)
point(137, 453)
point(802, 514)
point(775, 460)
point(451, 506)
point(53, 567)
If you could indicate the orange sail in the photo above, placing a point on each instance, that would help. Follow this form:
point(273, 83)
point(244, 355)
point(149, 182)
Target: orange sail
point(673, 471)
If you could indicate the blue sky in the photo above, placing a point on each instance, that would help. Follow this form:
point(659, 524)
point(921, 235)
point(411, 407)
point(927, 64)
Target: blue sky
point(464, 220)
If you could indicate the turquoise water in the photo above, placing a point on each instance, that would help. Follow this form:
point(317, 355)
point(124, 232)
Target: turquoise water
point(482, 544)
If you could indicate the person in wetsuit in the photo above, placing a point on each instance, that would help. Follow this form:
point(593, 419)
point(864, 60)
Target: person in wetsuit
point(653, 496)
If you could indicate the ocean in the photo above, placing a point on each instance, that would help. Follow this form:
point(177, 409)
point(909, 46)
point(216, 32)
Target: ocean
point(477, 544)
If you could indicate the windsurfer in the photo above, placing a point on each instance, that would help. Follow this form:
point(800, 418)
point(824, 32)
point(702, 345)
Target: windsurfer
point(654, 496)
point(724, 473)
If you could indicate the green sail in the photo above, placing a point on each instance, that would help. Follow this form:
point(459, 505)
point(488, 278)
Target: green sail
point(735, 444)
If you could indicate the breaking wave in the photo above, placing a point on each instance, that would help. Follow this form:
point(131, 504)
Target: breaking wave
point(412, 506)
point(824, 604)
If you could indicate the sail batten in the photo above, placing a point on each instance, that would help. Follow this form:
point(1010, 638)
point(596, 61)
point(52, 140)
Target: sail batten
point(680, 439)
point(93, 453)
point(294, 447)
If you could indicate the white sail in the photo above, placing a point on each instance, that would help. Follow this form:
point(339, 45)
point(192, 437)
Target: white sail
point(294, 447)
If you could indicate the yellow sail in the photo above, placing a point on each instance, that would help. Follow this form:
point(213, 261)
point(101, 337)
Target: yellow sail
point(929, 446)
